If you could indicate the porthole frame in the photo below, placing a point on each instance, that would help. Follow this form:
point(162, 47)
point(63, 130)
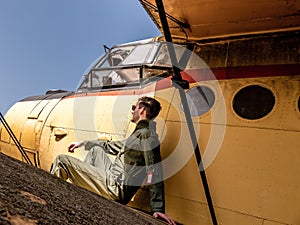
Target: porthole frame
point(213, 105)
point(273, 91)
point(298, 104)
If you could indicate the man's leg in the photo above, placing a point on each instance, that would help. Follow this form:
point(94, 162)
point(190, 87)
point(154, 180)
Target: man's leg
point(84, 175)
point(97, 157)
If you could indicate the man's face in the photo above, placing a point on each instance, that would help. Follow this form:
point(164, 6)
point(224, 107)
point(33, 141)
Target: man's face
point(135, 113)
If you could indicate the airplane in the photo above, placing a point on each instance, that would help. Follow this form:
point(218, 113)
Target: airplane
point(235, 88)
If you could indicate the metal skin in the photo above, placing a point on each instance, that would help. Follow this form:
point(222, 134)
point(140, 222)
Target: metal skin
point(253, 175)
point(194, 20)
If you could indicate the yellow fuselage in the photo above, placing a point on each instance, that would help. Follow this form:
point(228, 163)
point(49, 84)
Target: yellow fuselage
point(250, 148)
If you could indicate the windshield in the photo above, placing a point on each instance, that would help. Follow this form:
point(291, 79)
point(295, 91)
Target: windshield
point(129, 55)
point(130, 65)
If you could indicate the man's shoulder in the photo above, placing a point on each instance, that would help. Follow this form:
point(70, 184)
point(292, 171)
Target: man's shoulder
point(143, 132)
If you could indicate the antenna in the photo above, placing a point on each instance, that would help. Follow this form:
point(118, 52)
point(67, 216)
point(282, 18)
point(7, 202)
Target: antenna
point(105, 48)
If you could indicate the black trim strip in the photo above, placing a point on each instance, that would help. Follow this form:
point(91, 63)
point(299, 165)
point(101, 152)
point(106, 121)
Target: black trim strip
point(47, 96)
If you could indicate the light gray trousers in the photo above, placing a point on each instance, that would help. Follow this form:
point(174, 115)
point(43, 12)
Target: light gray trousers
point(94, 173)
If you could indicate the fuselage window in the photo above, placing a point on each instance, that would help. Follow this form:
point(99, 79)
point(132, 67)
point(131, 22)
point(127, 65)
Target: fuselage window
point(200, 100)
point(253, 102)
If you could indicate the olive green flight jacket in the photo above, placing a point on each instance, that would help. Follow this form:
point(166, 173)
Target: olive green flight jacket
point(137, 158)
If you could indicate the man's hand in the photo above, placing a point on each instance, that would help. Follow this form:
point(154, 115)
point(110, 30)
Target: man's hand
point(74, 145)
point(163, 216)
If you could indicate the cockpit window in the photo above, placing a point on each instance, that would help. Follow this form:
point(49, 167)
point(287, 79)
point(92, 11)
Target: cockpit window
point(114, 77)
point(115, 57)
point(104, 79)
point(142, 54)
point(130, 65)
point(129, 55)
point(98, 79)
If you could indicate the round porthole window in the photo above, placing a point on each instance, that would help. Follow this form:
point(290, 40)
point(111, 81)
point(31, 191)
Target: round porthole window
point(200, 100)
point(253, 102)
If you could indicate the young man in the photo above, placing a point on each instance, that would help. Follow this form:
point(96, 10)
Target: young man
point(137, 158)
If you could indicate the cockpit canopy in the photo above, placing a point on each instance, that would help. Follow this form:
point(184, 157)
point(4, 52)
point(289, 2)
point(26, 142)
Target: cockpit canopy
point(130, 65)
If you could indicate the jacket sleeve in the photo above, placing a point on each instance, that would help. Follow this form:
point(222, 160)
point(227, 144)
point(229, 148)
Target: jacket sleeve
point(151, 151)
point(111, 147)
point(88, 145)
point(157, 197)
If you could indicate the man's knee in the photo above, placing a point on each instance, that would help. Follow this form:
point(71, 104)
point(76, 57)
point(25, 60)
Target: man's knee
point(61, 158)
point(93, 154)
point(60, 162)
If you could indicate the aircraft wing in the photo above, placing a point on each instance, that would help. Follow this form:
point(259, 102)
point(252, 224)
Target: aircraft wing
point(198, 19)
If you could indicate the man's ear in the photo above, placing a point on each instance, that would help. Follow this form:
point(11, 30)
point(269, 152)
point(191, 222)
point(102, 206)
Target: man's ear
point(143, 111)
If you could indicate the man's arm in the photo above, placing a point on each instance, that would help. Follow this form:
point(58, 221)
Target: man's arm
point(75, 145)
point(111, 147)
point(151, 149)
point(87, 145)
point(157, 195)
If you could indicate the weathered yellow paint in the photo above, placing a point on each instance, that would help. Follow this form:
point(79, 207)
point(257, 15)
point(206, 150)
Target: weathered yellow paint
point(253, 178)
point(211, 19)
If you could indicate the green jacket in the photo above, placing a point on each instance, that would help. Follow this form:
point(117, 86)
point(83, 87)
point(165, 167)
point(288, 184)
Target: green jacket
point(136, 159)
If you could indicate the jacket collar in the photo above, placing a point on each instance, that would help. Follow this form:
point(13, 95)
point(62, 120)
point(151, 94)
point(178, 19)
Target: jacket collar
point(142, 124)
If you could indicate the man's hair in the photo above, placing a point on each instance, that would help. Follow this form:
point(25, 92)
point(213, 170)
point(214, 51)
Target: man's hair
point(151, 105)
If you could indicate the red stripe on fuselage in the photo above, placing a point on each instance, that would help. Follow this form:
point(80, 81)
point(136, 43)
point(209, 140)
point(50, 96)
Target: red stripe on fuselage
point(237, 72)
point(205, 74)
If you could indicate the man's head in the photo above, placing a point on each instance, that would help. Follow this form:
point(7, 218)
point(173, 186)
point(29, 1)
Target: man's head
point(146, 108)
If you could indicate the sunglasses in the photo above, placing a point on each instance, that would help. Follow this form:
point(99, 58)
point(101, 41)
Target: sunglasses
point(133, 107)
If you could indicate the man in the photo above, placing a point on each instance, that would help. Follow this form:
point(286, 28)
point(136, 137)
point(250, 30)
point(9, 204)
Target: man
point(137, 158)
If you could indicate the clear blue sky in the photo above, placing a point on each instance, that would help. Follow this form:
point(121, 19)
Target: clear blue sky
point(48, 44)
